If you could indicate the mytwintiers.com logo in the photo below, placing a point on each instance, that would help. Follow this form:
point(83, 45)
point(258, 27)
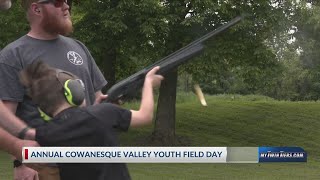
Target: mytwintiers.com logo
point(282, 154)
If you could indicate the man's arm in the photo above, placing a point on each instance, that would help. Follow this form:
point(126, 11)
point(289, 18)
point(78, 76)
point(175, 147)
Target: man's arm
point(16, 126)
point(8, 120)
point(13, 145)
point(145, 113)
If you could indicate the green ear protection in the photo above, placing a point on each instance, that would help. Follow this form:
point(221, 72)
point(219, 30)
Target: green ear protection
point(73, 90)
point(44, 116)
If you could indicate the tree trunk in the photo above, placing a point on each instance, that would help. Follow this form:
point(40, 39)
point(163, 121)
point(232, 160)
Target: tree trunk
point(70, 5)
point(108, 67)
point(164, 131)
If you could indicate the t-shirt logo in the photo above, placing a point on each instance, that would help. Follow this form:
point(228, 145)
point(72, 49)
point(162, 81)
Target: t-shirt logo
point(74, 58)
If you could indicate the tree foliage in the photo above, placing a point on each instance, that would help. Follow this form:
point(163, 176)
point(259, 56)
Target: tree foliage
point(243, 55)
point(307, 42)
point(13, 24)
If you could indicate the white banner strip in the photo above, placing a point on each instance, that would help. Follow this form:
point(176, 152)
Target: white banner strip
point(124, 154)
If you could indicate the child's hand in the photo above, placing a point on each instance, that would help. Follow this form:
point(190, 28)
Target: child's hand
point(154, 78)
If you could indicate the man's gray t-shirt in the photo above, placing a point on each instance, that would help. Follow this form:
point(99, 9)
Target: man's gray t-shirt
point(63, 53)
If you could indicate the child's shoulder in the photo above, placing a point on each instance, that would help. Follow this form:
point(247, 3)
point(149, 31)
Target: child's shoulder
point(103, 108)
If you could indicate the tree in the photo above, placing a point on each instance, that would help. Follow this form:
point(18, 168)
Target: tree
point(13, 24)
point(308, 43)
point(243, 52)
point(121, 34)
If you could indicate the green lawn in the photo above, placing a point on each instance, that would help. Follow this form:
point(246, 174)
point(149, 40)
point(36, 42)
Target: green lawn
point(233, 121)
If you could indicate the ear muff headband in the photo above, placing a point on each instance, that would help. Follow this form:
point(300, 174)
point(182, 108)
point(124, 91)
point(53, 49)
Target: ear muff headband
point(68, 93)
point(44, 116)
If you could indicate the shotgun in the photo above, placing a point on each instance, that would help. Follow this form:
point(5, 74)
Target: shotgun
point(168, 63)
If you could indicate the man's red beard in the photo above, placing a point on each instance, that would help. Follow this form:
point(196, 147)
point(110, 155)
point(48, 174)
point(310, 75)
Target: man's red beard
point(53, 24)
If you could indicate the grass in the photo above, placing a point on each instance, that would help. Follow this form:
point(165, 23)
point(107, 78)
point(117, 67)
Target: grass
point(233, 120)
point(6, 165)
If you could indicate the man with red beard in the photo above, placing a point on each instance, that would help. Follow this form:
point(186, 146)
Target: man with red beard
point(50, 23)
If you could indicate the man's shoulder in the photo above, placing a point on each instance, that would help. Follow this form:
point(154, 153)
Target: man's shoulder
point(15, 44)
point(71, 39)
point(9, 54)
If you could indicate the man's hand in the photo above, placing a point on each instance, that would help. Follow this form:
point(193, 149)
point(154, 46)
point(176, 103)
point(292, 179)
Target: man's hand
point(19, 144)
point(24, 173)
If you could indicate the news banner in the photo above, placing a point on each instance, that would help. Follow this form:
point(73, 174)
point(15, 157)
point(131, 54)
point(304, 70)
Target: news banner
point(163, 154)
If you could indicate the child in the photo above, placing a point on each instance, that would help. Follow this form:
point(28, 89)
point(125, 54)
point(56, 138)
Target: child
point(58, 94)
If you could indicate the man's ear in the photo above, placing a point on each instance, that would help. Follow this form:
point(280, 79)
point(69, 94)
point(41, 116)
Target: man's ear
point(35, 8)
